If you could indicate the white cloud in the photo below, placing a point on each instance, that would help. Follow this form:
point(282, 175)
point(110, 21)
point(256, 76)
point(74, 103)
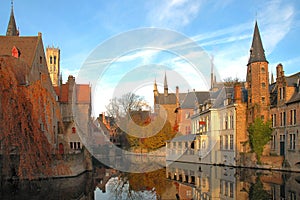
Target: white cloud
point(174, 13)
point(231, 45)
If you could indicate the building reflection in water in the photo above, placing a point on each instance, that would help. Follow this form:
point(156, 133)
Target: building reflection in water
point(177, 181)
point(195, 181)
point(79, 187)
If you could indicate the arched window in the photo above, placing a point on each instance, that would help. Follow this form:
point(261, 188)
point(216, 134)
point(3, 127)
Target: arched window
point(50, 59)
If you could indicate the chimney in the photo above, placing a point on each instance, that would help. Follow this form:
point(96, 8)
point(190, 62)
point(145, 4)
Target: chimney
point(177, 96)
point(279, 70)
point(237, 93)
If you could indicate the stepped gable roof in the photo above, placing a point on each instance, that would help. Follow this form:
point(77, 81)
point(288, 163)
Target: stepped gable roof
point(26, 46)
point(257, 52)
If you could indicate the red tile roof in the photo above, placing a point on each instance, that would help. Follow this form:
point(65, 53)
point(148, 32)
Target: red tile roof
point(26, 45)
point(83, 92)
point(62, 92)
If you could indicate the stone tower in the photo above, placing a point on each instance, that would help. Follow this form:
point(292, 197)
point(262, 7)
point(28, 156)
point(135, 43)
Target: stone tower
point(53, 62)
point(257, 80)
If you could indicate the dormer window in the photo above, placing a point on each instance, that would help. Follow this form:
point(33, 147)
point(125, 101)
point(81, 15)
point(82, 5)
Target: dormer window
point(15, 52)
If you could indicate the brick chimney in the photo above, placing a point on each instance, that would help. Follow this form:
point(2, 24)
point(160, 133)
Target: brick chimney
point(237, 93)
point(177, 96)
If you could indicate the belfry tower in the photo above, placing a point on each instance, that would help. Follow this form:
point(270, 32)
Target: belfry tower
point(53, 62)
point(257, 80)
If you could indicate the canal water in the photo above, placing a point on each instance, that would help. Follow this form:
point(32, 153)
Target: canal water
point(175, 181)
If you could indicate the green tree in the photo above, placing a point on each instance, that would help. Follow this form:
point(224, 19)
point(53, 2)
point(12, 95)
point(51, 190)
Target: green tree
point(259, 135)
point(257, 191)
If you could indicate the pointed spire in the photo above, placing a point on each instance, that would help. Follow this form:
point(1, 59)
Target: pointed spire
point(165, 85)
point(212, 73)
point(272, 78)
point(12, 28)
point(257, 52)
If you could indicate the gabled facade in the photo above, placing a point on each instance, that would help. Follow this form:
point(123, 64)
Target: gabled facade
point(167, 102)
point(285, 116)
point(75, 105)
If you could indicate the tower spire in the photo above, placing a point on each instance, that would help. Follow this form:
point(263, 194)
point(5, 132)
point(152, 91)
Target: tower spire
point(12, 28)
point(257, 52)
point(165, 85)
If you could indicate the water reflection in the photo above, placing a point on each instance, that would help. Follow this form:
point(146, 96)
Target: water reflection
point(176, 181)
point(79, 187)
point(195, 181)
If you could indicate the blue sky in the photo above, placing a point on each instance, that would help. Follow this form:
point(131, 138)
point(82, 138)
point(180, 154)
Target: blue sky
point(223, 29)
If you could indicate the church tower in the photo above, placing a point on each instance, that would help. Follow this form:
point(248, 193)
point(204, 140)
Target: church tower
point(12, 27)
point(53, 62)
point(257, 80)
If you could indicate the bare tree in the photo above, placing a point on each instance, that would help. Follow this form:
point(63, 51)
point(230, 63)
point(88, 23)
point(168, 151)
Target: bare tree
point(229, 81)
point(120, 107)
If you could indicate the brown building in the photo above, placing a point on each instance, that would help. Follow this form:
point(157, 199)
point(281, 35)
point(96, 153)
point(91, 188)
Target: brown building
point(285, 115)
point(167, 102)
point(75, 105)
point(28, 52)
point(257, 81)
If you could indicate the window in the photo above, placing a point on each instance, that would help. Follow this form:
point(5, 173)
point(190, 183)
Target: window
point(221, 187)
point(78, 145)
point(274, 120)
point(41, 59)
point(226, 141)
point(231, 122)
point(263, 70)
point(221, 142)
point(282, 119)
point(226, 122)
point(54, 59)
point(263, 99)
point(263, 85)
point(71, 145)
point(293, 196)
point(293, 117)
point(292, 141)
point(231, 190)
point(231, 142)
point(203, 144)
point(273, 142)
point(50, 59)
point(226, 188)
